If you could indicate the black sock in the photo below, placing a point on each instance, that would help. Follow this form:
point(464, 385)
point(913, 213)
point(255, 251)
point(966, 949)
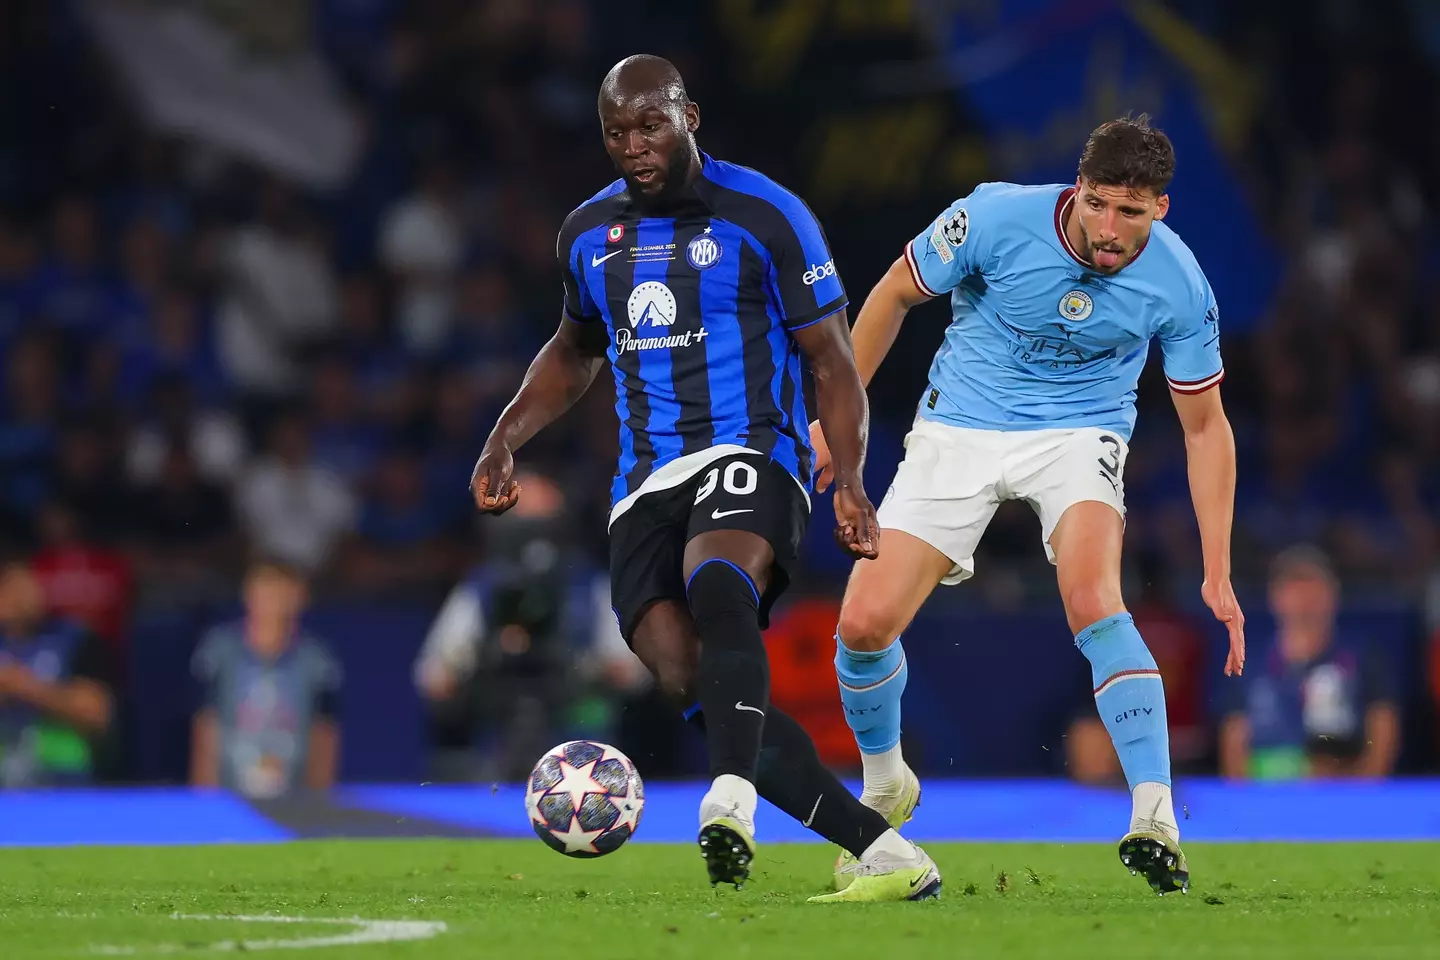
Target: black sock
point(734, 674)
point(792, 777)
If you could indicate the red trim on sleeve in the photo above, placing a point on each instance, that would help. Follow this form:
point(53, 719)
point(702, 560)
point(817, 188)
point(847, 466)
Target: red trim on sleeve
point(1191, 387)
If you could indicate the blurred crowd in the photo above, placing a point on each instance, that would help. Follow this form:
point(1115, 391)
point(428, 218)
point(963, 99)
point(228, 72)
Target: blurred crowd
point(207, 361)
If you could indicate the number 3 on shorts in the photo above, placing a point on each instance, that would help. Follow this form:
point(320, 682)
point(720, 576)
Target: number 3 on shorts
point(740, 478)
point(1109, 459)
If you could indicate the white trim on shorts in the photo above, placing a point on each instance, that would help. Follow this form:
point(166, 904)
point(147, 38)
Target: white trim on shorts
point(681, 469)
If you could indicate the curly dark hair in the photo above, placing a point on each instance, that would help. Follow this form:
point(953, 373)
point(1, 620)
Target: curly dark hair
point(1128, 152)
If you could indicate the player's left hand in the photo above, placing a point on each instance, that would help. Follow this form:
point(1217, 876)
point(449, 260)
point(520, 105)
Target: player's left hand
point(856, 529)
point(1219, 596)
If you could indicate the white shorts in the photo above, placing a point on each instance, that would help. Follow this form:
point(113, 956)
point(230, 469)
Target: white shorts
point(953, 478)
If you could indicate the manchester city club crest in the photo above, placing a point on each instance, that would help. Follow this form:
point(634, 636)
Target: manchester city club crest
point(1076, 305)
point(704, 251)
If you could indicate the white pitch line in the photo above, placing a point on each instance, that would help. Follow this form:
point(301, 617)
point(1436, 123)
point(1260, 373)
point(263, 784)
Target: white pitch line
point(366, 931)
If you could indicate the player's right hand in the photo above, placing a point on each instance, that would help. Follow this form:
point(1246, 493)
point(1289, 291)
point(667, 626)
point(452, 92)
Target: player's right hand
point(491, 483)
point(823, 470)
point(856, 529)
point(1219, 596)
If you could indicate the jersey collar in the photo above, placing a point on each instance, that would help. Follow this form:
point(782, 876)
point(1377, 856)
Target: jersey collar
point(693, 195)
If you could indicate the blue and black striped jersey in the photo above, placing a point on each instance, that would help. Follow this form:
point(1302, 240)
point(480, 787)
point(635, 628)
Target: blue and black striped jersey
point(699, 308)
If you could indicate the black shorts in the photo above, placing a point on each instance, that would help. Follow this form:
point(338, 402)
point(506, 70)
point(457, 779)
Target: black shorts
point(737, 492)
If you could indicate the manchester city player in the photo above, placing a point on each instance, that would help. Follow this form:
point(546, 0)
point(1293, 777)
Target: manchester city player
point(1056, 293)
point(703, 283)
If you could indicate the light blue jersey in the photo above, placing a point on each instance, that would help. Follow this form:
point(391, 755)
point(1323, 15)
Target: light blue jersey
point(1038, 338)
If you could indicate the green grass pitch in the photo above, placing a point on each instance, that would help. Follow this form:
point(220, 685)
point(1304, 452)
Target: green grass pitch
point(514, 899)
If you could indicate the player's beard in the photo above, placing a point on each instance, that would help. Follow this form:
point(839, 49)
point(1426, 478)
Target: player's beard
point(1114, 247)
point(675, 173)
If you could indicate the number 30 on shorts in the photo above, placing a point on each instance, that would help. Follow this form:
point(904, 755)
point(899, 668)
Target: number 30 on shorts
point(740, 479)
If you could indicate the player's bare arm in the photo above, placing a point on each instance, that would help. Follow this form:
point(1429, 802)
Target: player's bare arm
point(878, 322)
point(876, 327)
point(558, 376)
point(1210, 454)
point(845, 418)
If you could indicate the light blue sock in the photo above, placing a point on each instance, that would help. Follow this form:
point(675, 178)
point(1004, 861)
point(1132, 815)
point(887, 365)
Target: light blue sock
point(871, 683)
point(1129, 696)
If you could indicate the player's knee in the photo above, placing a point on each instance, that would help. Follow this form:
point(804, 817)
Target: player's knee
point(1091, 602)
point(719, 591)
point(866, 625)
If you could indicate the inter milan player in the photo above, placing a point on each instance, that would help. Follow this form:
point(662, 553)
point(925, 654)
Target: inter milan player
point(703, 283)
point(1055, 293)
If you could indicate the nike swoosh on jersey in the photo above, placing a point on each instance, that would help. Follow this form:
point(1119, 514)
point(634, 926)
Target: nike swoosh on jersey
point(739, 705)
point(722, 514)
point(596, 261)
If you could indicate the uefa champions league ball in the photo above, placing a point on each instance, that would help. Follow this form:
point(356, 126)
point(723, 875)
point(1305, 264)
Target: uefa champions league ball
point(584, 799)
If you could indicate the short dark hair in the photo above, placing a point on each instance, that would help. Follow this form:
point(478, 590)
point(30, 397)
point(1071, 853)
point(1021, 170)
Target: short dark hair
point(1128, 152)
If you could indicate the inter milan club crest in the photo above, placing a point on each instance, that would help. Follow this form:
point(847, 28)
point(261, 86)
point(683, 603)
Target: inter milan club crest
point(1076, 305)
point(704, 251)
point(616, 232)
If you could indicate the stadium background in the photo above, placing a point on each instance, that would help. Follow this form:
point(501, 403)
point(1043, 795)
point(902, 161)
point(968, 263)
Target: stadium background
point(339, 216)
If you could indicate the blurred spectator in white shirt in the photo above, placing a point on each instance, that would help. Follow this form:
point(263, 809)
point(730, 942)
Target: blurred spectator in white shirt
point(290, 508)
point(421, 244)
point(279, 296)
